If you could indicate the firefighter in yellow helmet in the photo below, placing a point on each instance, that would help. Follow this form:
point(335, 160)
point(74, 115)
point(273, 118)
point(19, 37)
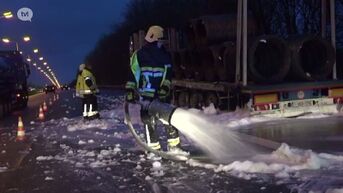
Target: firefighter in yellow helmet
point(87, 89)
point(151, 75)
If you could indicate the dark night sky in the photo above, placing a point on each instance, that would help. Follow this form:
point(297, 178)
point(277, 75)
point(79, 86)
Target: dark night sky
point(64, 31)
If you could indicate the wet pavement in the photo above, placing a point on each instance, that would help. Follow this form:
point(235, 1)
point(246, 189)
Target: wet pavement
point(318, 134)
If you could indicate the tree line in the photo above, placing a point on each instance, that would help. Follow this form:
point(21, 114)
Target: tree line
point(110, 57)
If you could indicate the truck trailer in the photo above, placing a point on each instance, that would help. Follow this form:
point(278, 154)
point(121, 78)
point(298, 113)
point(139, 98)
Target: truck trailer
point(222, 59)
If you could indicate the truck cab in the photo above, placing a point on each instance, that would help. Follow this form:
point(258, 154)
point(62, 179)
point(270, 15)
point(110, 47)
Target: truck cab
point(13, 82)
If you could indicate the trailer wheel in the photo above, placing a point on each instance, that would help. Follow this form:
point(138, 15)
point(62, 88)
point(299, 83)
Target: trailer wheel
point(196, 100)
point(211, 97)
point(183, 99)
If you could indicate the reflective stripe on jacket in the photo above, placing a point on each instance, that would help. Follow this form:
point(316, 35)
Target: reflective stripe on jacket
point(81, 86)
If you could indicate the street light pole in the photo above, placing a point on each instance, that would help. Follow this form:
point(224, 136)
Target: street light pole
point(25, 39)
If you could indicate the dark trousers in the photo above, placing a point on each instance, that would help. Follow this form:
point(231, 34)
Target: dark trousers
point(150, 126)
point(90, 106)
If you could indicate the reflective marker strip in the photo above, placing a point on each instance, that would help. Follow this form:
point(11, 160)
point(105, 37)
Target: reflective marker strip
point(336, 92)
point(265, 99)
point(21, 133)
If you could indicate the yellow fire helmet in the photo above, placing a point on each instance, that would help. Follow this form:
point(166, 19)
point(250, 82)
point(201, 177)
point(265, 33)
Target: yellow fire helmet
point(154, 33)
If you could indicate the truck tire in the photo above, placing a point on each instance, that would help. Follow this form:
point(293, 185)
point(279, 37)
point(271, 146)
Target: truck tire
point(312, 58)
point(183, 99)
point(213, 29)
point(196, 100)
point(269, 59)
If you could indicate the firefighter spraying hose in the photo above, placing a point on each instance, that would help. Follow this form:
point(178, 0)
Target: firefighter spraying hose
point(149, 84)
point(151, 75)
point(229, 148)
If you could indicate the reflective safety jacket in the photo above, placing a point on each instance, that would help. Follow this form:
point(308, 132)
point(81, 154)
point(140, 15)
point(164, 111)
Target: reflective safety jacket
point(86, 83)
point(151, 71)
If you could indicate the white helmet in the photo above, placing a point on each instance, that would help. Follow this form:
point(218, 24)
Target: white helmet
point(154, 33)
point(82, 66)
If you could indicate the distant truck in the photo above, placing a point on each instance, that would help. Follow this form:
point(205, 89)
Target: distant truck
point(13, 82)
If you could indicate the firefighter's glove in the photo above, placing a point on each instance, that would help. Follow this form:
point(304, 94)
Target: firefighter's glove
point(131, 96)
point(164, 91)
